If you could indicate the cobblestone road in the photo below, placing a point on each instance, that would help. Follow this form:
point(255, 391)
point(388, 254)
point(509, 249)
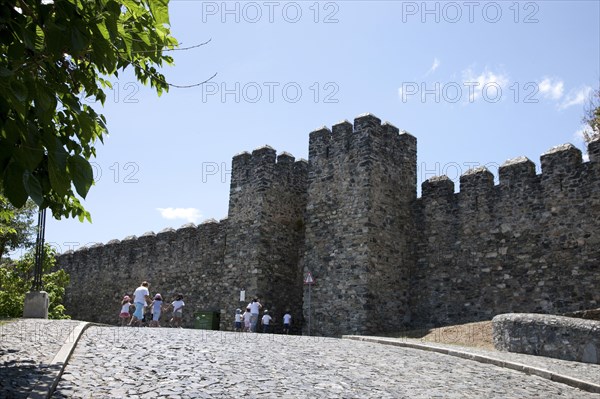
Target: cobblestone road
point(27, 348)
point(113, 362)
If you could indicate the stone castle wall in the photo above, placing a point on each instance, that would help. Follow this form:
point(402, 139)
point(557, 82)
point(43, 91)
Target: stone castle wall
point(255, 249)
point(188, 261)
point(529, 244)
point(382, 258)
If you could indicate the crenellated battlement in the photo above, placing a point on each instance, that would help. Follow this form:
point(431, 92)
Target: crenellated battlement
point(437, 187)
point(263, 167)
point(366, 137)
point(558, 162)
point(207, 227)
point(594, 150)
point(523, 245)
point(476, 180)
point(365, 122)
point(516, 172)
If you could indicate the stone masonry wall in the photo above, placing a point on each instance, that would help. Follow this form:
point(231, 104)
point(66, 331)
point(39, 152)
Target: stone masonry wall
point(548, 335)
point(382, 258)
point(256, 249)
point(529, 244)
point(188, 260)
point(362, 181)
point(265, 229)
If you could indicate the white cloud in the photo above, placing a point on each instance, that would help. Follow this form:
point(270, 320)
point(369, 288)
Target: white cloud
point(434, 66)
point(486, 83)
point(551, 88)
point(575, 97)
point(189, 214)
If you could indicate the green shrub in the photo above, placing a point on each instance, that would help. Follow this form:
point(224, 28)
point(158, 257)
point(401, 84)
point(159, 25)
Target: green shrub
point(16, 279)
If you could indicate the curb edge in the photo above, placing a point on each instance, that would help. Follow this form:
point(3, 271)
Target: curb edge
point(47, 384)
point(552, 376)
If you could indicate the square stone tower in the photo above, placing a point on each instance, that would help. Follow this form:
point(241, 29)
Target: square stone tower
point(265, 231)
point(358, 226)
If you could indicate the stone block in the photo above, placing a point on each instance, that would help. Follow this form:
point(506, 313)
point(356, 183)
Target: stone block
point(36, 305)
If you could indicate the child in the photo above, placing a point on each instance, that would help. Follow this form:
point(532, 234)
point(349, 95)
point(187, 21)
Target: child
point(156, 307)
point(247, 316)
point(238, 320)
point(287, 320)
point(147, 319)
point(266, 322)
point(124, 315)
point(177, 305)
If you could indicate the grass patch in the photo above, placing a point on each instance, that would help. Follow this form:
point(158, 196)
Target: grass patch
point(474, 335)
point(7, 320)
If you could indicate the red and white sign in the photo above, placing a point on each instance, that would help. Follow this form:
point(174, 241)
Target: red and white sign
point(309, 279)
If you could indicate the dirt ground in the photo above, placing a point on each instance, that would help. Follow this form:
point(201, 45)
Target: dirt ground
point(475, 335)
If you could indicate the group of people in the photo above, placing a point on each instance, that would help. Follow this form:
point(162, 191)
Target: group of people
point(140, 309)
point(248, 321)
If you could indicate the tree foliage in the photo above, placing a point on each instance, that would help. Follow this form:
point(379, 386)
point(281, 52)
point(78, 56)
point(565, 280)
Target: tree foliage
point(592, 117)
point(16, 225)
point(55, 54)
point(16, 278)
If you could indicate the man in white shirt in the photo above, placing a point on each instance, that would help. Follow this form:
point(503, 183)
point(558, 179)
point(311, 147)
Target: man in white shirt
point(254, 309)
point(141, 297)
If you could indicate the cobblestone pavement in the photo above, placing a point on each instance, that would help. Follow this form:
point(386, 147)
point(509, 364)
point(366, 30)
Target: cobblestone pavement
point(577, 370)
point(117, 362)
point(27, 347)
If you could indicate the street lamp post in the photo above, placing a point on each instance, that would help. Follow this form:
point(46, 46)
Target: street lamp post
point(36, 301)
point(39, 251)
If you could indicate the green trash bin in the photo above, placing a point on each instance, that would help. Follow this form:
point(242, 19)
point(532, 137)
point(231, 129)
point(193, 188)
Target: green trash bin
point(207, 320)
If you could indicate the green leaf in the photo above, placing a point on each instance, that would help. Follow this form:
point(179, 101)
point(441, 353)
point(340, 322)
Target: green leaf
point(33, 187)
point(57, 169)
point(81, 173)
point(5, 73)
point(78, 41)
point(45, 103)
point(19, 90)
point(160, 10)
point(11, 132)
point(14, 189)
point(28, 36)
point(127, 40)
point(56, 37)
point(39, 38)
point(29, 157)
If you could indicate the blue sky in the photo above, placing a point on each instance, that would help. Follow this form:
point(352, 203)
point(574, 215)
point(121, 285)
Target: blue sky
point(476, 82)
